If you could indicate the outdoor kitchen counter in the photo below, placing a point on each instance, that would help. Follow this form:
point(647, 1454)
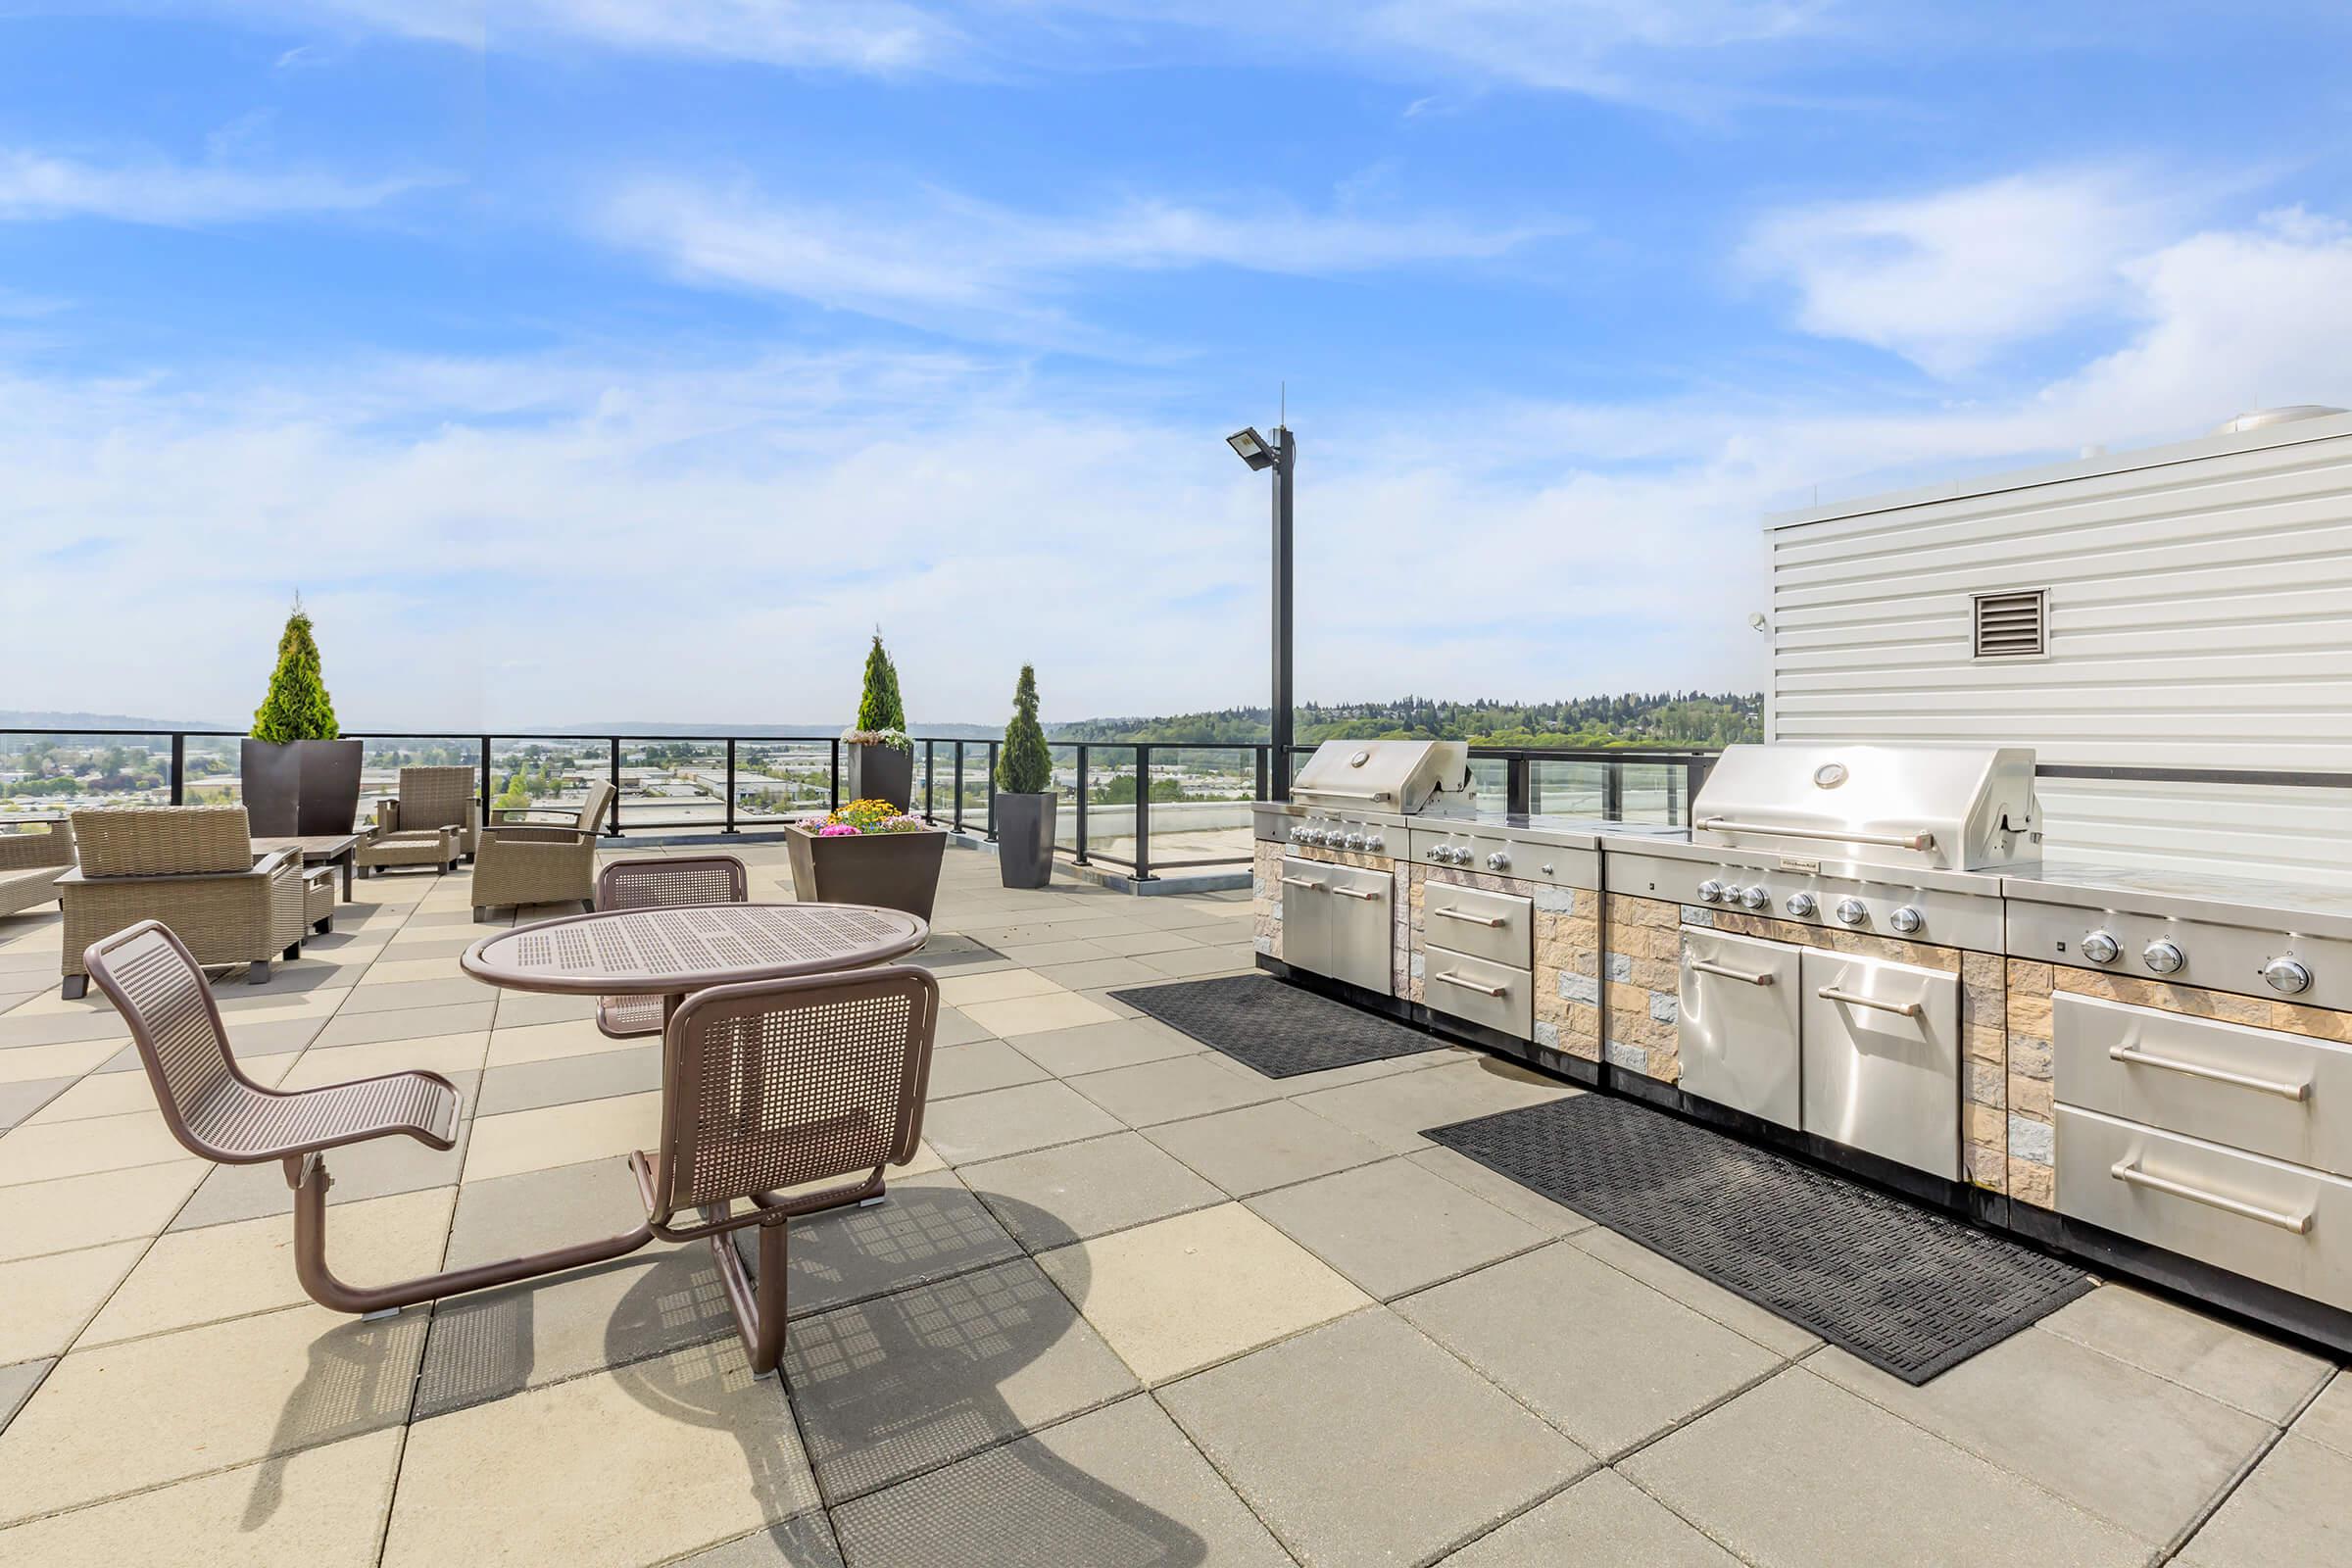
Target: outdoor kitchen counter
point(2310, 908)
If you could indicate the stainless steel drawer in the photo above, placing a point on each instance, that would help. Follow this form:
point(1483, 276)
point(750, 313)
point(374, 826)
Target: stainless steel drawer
point(2285, 1225)
point(1497, 994)
point(1738, 1023)
point(1882, 1058)
point(2286, 1096)
point(1483, 924)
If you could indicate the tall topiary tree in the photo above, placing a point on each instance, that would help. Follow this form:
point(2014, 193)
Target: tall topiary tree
point(879, 708)
point(297, 707)
point(1026, 767)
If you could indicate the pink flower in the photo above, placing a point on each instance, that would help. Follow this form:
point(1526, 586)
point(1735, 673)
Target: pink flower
point(837, 830)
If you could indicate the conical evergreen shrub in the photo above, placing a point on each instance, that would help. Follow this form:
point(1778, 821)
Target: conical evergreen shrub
point(1026, 765)
point(880, 708)
point(297, 707)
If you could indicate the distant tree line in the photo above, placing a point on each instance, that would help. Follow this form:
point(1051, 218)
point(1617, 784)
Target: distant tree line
point(1629, 718)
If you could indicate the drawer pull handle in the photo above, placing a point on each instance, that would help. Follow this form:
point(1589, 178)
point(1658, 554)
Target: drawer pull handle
point(1906, 1009)
point(1354, 893)
point(1710, 967)
point(2133, 1176)
point(1451, 979)
point(2138, 1057)
point(1301, 882)
point(1473, 919)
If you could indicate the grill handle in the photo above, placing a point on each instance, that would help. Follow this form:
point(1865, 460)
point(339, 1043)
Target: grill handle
point(1451, 979)
point(1300, 882)
point(1710, 967)
point(1470, 919)
point(2131, 1175)
point(1345, 794)
point(1907, 1010)
point(2138, 1057)
point(1887, 841)
point(1354, 893)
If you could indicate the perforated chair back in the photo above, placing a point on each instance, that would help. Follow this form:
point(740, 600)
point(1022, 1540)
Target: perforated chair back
point(780, 1082)
point(435, 797)
point(155, 984)
point(661, 881)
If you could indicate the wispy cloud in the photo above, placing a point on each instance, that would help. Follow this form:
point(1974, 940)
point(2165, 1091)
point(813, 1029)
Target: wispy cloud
point(880, 36)
point(1949, 278)
point(38, 187)
point(943, 259)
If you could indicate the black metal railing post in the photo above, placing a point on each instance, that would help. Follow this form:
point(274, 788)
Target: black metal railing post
point(1143, 813)
point(1612, 792)
point(613, 831)
point(833, 779)
point(992, 792)
point(1261, 752)
point(930, 769)
point(485, 761)
point(1081, 827)
point(179, 767)
point(730, 827)
point(1518, 792)
point(959, 786)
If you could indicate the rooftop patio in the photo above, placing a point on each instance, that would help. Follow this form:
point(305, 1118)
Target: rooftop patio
point(1134, 1305)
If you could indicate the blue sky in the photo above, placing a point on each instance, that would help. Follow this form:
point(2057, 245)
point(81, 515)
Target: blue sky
point(759, 324)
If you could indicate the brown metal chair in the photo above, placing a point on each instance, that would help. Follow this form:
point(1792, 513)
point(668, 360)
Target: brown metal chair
point(785, 1084)
point(661, 882)
point(791, 1084)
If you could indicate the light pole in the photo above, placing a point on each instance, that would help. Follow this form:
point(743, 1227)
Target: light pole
point(1282, 456)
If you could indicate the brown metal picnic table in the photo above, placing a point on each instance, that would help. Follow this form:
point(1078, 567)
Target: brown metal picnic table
point(673, 951)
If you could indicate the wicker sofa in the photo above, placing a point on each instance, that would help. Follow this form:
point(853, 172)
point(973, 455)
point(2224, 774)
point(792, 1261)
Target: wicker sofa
point(434, 821)
point(519, 863)
point(193, 868)
point(30, 865)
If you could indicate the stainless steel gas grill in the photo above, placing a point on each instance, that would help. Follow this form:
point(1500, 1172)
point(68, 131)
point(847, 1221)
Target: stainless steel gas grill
point(1820, 910)
point(1350, 810)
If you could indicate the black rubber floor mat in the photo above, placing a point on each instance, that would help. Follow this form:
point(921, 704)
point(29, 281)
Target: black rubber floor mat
point(1909, 1291)
point(1276, 1028)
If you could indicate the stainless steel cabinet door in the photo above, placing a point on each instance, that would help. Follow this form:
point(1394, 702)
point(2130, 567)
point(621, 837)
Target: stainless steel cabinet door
point(1305, 916)
point(1737, 1023)
point(1882, 1053)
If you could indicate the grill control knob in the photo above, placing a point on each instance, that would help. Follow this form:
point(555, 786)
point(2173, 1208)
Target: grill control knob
point(2163, 956)
point(1905, 920)
point(2286, 975)
point(1497, 862)
point(2101, 948)
point(1852, 912)
point(1802, 904)
point(1302, 835)
point(1755, 898)
point(1355, 841)
point(1711, 890)
point(1373, 842)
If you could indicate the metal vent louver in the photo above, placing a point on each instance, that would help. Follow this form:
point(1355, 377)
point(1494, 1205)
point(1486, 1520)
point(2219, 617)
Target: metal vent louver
point(2012, 625)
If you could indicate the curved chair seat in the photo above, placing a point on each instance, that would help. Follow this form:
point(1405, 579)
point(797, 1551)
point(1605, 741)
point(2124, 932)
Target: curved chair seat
point(628, 1018)
point(244, 1125)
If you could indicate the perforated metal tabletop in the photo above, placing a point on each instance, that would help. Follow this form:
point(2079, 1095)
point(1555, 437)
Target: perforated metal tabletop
point(670, 951)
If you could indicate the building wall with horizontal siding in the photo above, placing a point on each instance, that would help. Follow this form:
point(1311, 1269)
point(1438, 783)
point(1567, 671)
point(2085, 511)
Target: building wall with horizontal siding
point(2199, 617)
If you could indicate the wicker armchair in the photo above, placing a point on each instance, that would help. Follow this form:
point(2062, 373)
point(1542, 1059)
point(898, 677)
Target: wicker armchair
point(515, 863)
point(434, 821)
point(191, 867)
point(30, 863)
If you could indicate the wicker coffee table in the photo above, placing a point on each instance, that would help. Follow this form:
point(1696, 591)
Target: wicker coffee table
point(669, 952)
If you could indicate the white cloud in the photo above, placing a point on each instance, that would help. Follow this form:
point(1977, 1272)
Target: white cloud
point(946, 261)
point(36, 186)
point(1949, 278)
point(470, 532)
point(882, 36)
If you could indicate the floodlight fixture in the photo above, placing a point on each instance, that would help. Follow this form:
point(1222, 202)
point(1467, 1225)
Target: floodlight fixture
point(1252, 448)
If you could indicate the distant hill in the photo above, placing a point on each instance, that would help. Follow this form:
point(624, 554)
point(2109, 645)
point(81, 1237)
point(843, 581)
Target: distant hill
point(18, 718)
point(1633, 718)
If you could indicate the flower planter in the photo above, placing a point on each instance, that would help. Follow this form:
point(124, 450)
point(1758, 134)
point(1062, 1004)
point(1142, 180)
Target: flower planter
point(300, 789)
point(894, 870)
point(878, 773)
point(1025, 838)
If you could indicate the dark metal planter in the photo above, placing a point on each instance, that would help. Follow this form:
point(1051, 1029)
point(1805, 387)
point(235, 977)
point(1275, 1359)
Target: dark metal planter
point(300, 789)
point(894, 870)
point(1025, 838)
point(879, 773)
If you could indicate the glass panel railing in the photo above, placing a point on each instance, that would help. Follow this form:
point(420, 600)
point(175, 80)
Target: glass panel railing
point(1491, 777)
point(381, 758)
point(1575, 790)
point(1200, 806)
point(1110, 803)
point(545, 773)
point(43, 777)
point(780, 779)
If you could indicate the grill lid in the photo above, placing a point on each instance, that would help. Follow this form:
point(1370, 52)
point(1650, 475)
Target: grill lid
point(1945, 808)
point(1407, 777)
